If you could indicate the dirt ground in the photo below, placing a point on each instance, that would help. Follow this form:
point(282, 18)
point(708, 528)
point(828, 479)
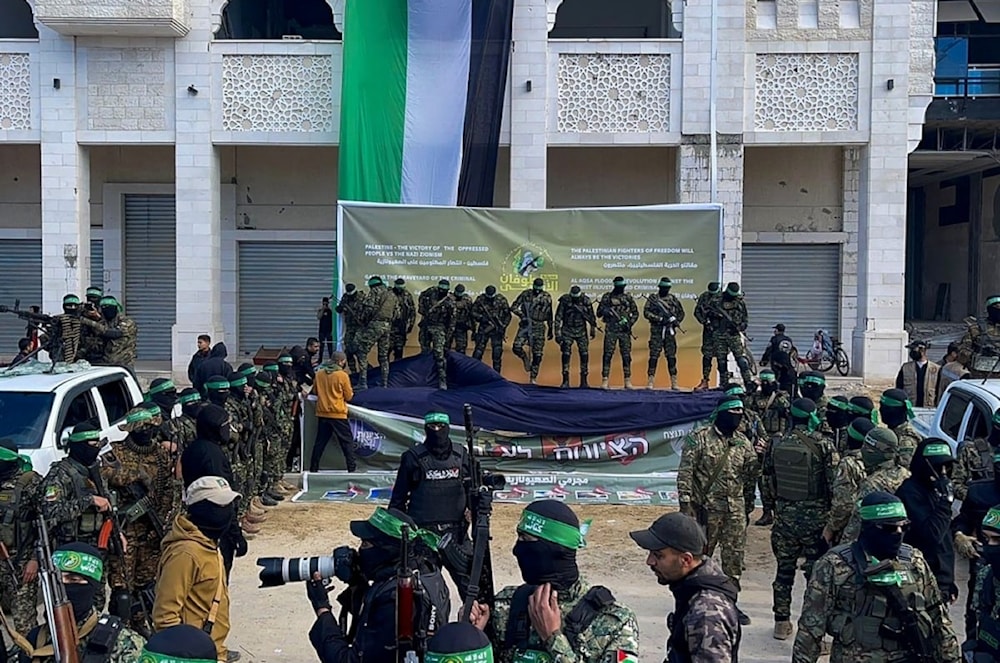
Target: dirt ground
point(273, 624)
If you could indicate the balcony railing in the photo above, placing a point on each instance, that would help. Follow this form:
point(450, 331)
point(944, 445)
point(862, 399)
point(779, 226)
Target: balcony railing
point(981, 81)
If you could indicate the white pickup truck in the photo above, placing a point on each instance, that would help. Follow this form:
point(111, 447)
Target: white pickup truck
point(964, 412)
point(38, 410)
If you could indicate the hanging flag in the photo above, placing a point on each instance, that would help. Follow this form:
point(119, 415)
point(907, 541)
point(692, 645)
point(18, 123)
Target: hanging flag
point(403, 100)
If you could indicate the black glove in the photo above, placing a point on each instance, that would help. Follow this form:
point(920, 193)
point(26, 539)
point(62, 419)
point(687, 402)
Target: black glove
point(318, 594)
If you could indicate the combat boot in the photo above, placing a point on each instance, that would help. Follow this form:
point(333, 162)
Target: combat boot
point(266, 500)
point(288, 487)
point(604, 383)
point(628, 383)
point(782, 630)
point(651, 382)
point(565, 382)
point(766, 519)
point(526, 361)
point(255, 519)
point(256, 506)
point(702, 385)
point(673, 382)
point(583, 379)
point(277, 497)
point(249, 527)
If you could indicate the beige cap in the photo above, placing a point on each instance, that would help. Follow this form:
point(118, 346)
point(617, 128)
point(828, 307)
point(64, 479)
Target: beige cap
point(213, 489)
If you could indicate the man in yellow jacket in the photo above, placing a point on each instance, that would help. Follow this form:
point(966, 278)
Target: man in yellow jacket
point(333, 389)
point(192, 586)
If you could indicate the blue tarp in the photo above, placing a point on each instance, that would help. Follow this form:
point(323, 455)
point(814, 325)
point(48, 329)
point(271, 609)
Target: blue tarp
point(501, 405)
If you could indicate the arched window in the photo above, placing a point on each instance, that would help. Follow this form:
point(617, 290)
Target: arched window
point(601, 19)
point(275, 19)
point(16, 20)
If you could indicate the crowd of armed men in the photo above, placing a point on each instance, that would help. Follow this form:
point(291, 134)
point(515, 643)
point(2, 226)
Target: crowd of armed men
point(384, 317)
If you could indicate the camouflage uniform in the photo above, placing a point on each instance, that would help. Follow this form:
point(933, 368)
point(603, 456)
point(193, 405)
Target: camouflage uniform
point(663, 333)
point(237, 450)
point(752, 429)
point(619, 313)
point(614, 629)
point(464, 324)
point(975, 463)
point(979, 337)
point(909, 438)
point(349, 309)
point(18, 511)
point(534, 308)
point(844, 490)
point(573, 314)
point(127, 648)
point(491, 315)
point(402, 324)
point(835, 602)
point(711, 626)
point(724, 517)
point(378, 310)
point(773, 413)
point(121, 351)
point(727, 339)
point(800, 510)
point(258, 442)
point(283, 399)
point(705, 313)
point(888, 477)
point(437, 326)
point(986, 596)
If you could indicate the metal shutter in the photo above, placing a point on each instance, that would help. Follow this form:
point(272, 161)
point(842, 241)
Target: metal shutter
point(97, 263)
point(21, 266)
point(280, 288)
point(151, 271)
point(796, 284)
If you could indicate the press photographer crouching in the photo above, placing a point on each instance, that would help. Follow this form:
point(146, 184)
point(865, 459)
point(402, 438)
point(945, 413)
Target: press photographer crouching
point(394, 558)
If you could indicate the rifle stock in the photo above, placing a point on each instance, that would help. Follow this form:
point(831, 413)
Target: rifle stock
point(58, 609)
point(405, 590)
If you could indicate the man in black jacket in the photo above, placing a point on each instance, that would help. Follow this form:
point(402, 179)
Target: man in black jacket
point(214, 364)
point(372, 637)
point(778, 355)
point(927, 496)
point(204, 348)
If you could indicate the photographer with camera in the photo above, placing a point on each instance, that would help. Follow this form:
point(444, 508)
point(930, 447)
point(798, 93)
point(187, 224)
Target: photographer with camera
point(432, 487)
point(375, 632)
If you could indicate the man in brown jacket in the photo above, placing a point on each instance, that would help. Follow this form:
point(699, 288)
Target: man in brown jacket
point(192, 586)
point(919, 377)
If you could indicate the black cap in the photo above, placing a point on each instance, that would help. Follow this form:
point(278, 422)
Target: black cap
point(491, 290)
point(673, 530)
point(457, 638)
point(780, 328)
point(538, 283)
point(182, 642)
point(575, 290)
point(459, 289)
point(365, 531)
point(350, 287)
point(917, 344)
point(399, 282)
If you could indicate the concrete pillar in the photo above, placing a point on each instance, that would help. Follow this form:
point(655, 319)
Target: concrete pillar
point(528, 114)
point(199, 263)
point(65, 176)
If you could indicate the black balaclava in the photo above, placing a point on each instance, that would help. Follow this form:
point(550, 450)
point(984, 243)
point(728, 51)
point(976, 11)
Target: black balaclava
point(285, 365)
point(724, 418)
point(863, 406)
point(894, 415)
point(713, 286)
point(263, 382)
point(191, 402)
point(768, 382)
point(460, 641)
point(212, 424)
point(931, 460)
point(163, 393)
point(812, 384)
point(663, 287)
point(71, 305)
point(538, 285)
point(181, 642)
point(575, 292)
point(350, 290)
point(993, 309)
point(491, 291)
point(109, 308)
point(732, 291)
point(437, 425)
point(991, 553)
point(142, 436)
point(9, 468)
point(237, 382)
point(618, 285)
point(399, 285)
point(212, 519)
point(459, 291)
point(803, 414)
point(82, 451)
point(442, 288)
point(383, 553)
point(80, 595)
point(856, 432)
point(838, 413)
point(880, 544)
point(543, 561)
point(217, 390)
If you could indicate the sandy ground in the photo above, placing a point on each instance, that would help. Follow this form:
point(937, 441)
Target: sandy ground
point(272, 625)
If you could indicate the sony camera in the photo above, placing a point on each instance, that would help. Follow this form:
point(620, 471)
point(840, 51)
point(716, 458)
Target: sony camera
point(276, 571)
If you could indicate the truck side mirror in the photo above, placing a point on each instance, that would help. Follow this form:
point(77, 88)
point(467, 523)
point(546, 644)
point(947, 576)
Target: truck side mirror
point(64, 438)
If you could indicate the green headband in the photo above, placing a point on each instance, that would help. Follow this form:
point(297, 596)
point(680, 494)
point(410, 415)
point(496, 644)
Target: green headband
point(767, 376)
point(71, 561)
point(665, 283)
point(733, 292)
point(271, 368)
point(285, 359)
point(619, 282)
point(217, 385)
point(95, 291)
point(992, 518)
point(8, 456)
point(260, 382)
point(883, 511)
point(189, 398)
point(85, 436)
point(152, 657)
point(932, 450)
point(837, 404)
point(139, 415)
point(892, 402)
point(248, 371)
point(857, 409)
point(238, 382)
point(550, 530)
point(736, 390)
point(389, 525)
point(374, 281)
point(812, 379)
point(163, 386)
point(812, 419)
point(437, 418)
point(153, 409)
point(109, 301)
point(729, 404)
point(484, 655)
point(993, 300)
point(855, 434)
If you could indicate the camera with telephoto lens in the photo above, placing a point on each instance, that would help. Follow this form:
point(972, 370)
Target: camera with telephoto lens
point(494, 481)
point(276, 571)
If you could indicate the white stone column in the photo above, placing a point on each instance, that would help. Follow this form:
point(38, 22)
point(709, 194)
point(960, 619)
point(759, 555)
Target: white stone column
point(65, 176)
point(199, 263)
point(528, 109)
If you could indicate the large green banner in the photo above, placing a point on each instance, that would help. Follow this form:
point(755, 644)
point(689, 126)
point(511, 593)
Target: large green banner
point(625, 467)
point(510, 248)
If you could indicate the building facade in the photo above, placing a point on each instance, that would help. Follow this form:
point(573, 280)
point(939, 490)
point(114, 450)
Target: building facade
point(183, 153)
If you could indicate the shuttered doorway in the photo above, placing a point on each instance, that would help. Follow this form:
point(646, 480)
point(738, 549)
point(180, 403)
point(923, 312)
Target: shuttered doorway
point(280, 288)
point(21, 267)
point(151, 271)
point(795, 284)
point(97, 263)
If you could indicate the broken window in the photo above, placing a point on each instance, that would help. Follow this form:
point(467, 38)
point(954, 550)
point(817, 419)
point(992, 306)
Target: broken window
point(277, 19)
point(600, 19)
point(16, 21)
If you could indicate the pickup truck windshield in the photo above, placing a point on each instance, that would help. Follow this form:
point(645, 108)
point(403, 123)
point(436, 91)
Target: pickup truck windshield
point(23, 416)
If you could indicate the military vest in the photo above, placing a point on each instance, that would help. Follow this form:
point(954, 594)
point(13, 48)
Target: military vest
point(574, 624)
point(439, 496)
point(12, 499)
point(988, 633)
point(381, 305)
point(799, 471)
point(87, 526)
point(770, 415)
point(983, 469)
point(930, 381)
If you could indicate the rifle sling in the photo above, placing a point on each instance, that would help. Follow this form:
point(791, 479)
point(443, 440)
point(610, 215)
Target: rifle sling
point(47, 650)
point(217, 599)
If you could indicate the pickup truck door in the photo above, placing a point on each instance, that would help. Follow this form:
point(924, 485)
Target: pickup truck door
point(77, 406)
point(954, 413)
point(115, 399)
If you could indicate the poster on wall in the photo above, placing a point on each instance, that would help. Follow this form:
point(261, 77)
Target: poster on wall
point(509, 249)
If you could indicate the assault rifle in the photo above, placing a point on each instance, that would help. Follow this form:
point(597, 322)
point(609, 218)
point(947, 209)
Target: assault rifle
point(921, 648)
point(411, 637)
point(45, 325)
point(143, 506)
point(58, 609)
point(481, 487)
point(492, 324)
point(621, 318)
point(669, 318)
